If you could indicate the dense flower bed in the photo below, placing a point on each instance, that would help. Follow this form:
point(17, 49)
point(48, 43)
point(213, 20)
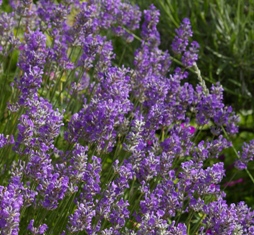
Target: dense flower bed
point(89, 146)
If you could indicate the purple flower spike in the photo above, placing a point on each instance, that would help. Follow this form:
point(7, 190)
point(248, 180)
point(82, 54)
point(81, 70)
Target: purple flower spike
point(181, 39)
point(149, 31)
point(11, 202)
point(191, 55)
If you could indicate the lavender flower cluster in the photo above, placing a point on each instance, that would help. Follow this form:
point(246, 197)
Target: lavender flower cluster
point(90, 145)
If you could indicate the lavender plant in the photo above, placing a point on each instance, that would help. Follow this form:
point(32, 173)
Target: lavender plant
point(89, 146)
